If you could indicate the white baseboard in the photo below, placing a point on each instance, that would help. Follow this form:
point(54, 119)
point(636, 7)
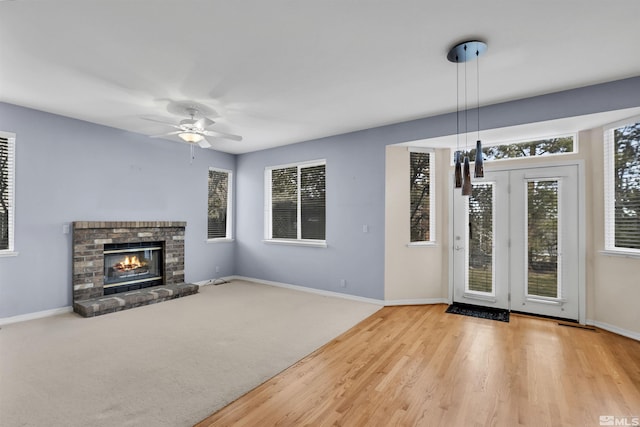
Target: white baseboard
point(310, 290)
point(417, 301)
point(36, 315)
point(615, 329)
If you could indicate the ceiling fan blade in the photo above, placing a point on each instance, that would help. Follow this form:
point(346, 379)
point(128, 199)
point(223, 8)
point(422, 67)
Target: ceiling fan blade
point(166, 134)
point(204, 144)
point(204, 122)
point(163, 122)
point(218, 134)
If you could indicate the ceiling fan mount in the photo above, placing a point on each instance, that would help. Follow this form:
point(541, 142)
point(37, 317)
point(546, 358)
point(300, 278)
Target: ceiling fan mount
point(196, 128)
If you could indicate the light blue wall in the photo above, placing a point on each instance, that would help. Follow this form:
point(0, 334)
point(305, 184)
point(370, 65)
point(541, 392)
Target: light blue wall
point(355, 197)
point(355, 189)
point(69, 170)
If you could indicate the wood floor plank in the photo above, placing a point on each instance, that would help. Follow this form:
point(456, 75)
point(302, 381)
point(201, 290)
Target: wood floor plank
point(420, 366)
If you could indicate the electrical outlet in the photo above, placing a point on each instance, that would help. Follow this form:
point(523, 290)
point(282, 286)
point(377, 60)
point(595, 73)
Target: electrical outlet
point(217, 269)
point(65, 228)
point(343, 283)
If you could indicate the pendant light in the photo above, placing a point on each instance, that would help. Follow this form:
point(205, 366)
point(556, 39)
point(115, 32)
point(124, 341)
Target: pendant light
point(458, 169)
point(458, 153)
point(461, 53)
point(478, 171)
point(466, 179)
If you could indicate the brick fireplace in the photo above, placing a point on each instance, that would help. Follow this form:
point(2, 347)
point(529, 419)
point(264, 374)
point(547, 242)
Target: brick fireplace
point(89, 240)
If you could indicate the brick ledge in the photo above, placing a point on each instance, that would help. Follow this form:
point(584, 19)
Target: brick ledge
point(127, 224)
point(126, 300)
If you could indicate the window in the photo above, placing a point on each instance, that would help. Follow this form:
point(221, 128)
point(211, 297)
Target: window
point(543, 238)
point(295, 202)
point(219, 212)
point(421, 185)
point(537, 148)
point(622, 187)
point(7, 164)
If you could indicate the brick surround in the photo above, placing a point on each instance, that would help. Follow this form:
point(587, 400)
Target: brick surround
point(89, 238)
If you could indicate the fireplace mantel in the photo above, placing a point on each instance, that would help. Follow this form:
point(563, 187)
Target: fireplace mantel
point(78, 225)
point(89, 238)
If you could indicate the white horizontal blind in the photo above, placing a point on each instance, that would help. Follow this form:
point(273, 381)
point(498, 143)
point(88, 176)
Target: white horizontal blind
point(297, 205)
point(284, 203)
point(218, 201)
point(7, 165)
point(312, 202)
point(543, 238)
point(420, 190)
point(622, 187)
point(480, 244)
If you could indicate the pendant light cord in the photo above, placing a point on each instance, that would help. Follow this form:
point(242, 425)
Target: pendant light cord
point(457, 106)
point(478, 88)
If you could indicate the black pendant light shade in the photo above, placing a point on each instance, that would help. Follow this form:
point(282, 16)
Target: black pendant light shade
point(458, 169)
point(466, 178)
point(479, 163)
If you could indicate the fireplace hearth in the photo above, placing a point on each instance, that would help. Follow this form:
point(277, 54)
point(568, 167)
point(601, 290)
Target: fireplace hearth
point(119, 265)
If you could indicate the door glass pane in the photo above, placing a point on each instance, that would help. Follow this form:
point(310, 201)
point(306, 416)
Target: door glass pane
point(542, 238)
point(480, 277)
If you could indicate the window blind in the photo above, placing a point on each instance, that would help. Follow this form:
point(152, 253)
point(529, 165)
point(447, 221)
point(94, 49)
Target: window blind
point(543, 238)
point(218, 204)
point(420, 196)
point(312, 202)
point(298, 202)
point(622, 187)
point(480, 277)
point(284, 203)
point(7, 158)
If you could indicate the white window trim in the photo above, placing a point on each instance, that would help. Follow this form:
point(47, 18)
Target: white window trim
point(422, 244)
point(11, 137)
point(432, 197)
point(610, 248)
point(229, 231)
point(268, 230)
point(296, 242)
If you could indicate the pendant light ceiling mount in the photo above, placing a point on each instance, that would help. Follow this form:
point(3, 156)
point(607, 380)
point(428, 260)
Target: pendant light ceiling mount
point(466, 51)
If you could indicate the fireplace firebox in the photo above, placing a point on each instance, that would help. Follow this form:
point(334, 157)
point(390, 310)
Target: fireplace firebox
point(131, 266)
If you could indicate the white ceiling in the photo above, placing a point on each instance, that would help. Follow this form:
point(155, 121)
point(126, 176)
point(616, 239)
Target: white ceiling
point(284, 71)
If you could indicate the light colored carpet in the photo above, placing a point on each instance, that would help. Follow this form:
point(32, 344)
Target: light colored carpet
point(168, 364)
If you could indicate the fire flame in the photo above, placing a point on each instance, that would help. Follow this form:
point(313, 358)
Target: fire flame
point(129, 264)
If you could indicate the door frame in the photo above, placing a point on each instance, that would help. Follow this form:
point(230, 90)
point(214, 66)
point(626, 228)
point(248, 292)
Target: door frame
point(502, 165)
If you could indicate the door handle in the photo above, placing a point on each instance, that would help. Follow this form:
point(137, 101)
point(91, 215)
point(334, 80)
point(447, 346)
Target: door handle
point(458, 248)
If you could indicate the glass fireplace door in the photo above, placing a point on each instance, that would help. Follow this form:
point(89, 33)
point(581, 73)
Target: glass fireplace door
point(132, 266)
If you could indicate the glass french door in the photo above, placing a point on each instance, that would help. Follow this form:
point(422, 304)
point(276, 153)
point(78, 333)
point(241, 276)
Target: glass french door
point(481, 243)
point(515, 242)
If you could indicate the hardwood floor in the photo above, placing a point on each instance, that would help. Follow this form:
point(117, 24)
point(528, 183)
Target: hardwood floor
point(419, 366)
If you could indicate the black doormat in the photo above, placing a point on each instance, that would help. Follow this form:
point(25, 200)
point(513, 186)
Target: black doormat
point(478, 311)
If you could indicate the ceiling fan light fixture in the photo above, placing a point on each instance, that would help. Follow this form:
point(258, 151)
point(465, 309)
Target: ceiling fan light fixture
point(190, 137)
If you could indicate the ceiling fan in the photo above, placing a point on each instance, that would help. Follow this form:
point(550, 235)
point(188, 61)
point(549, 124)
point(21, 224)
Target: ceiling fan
point(195, 129)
